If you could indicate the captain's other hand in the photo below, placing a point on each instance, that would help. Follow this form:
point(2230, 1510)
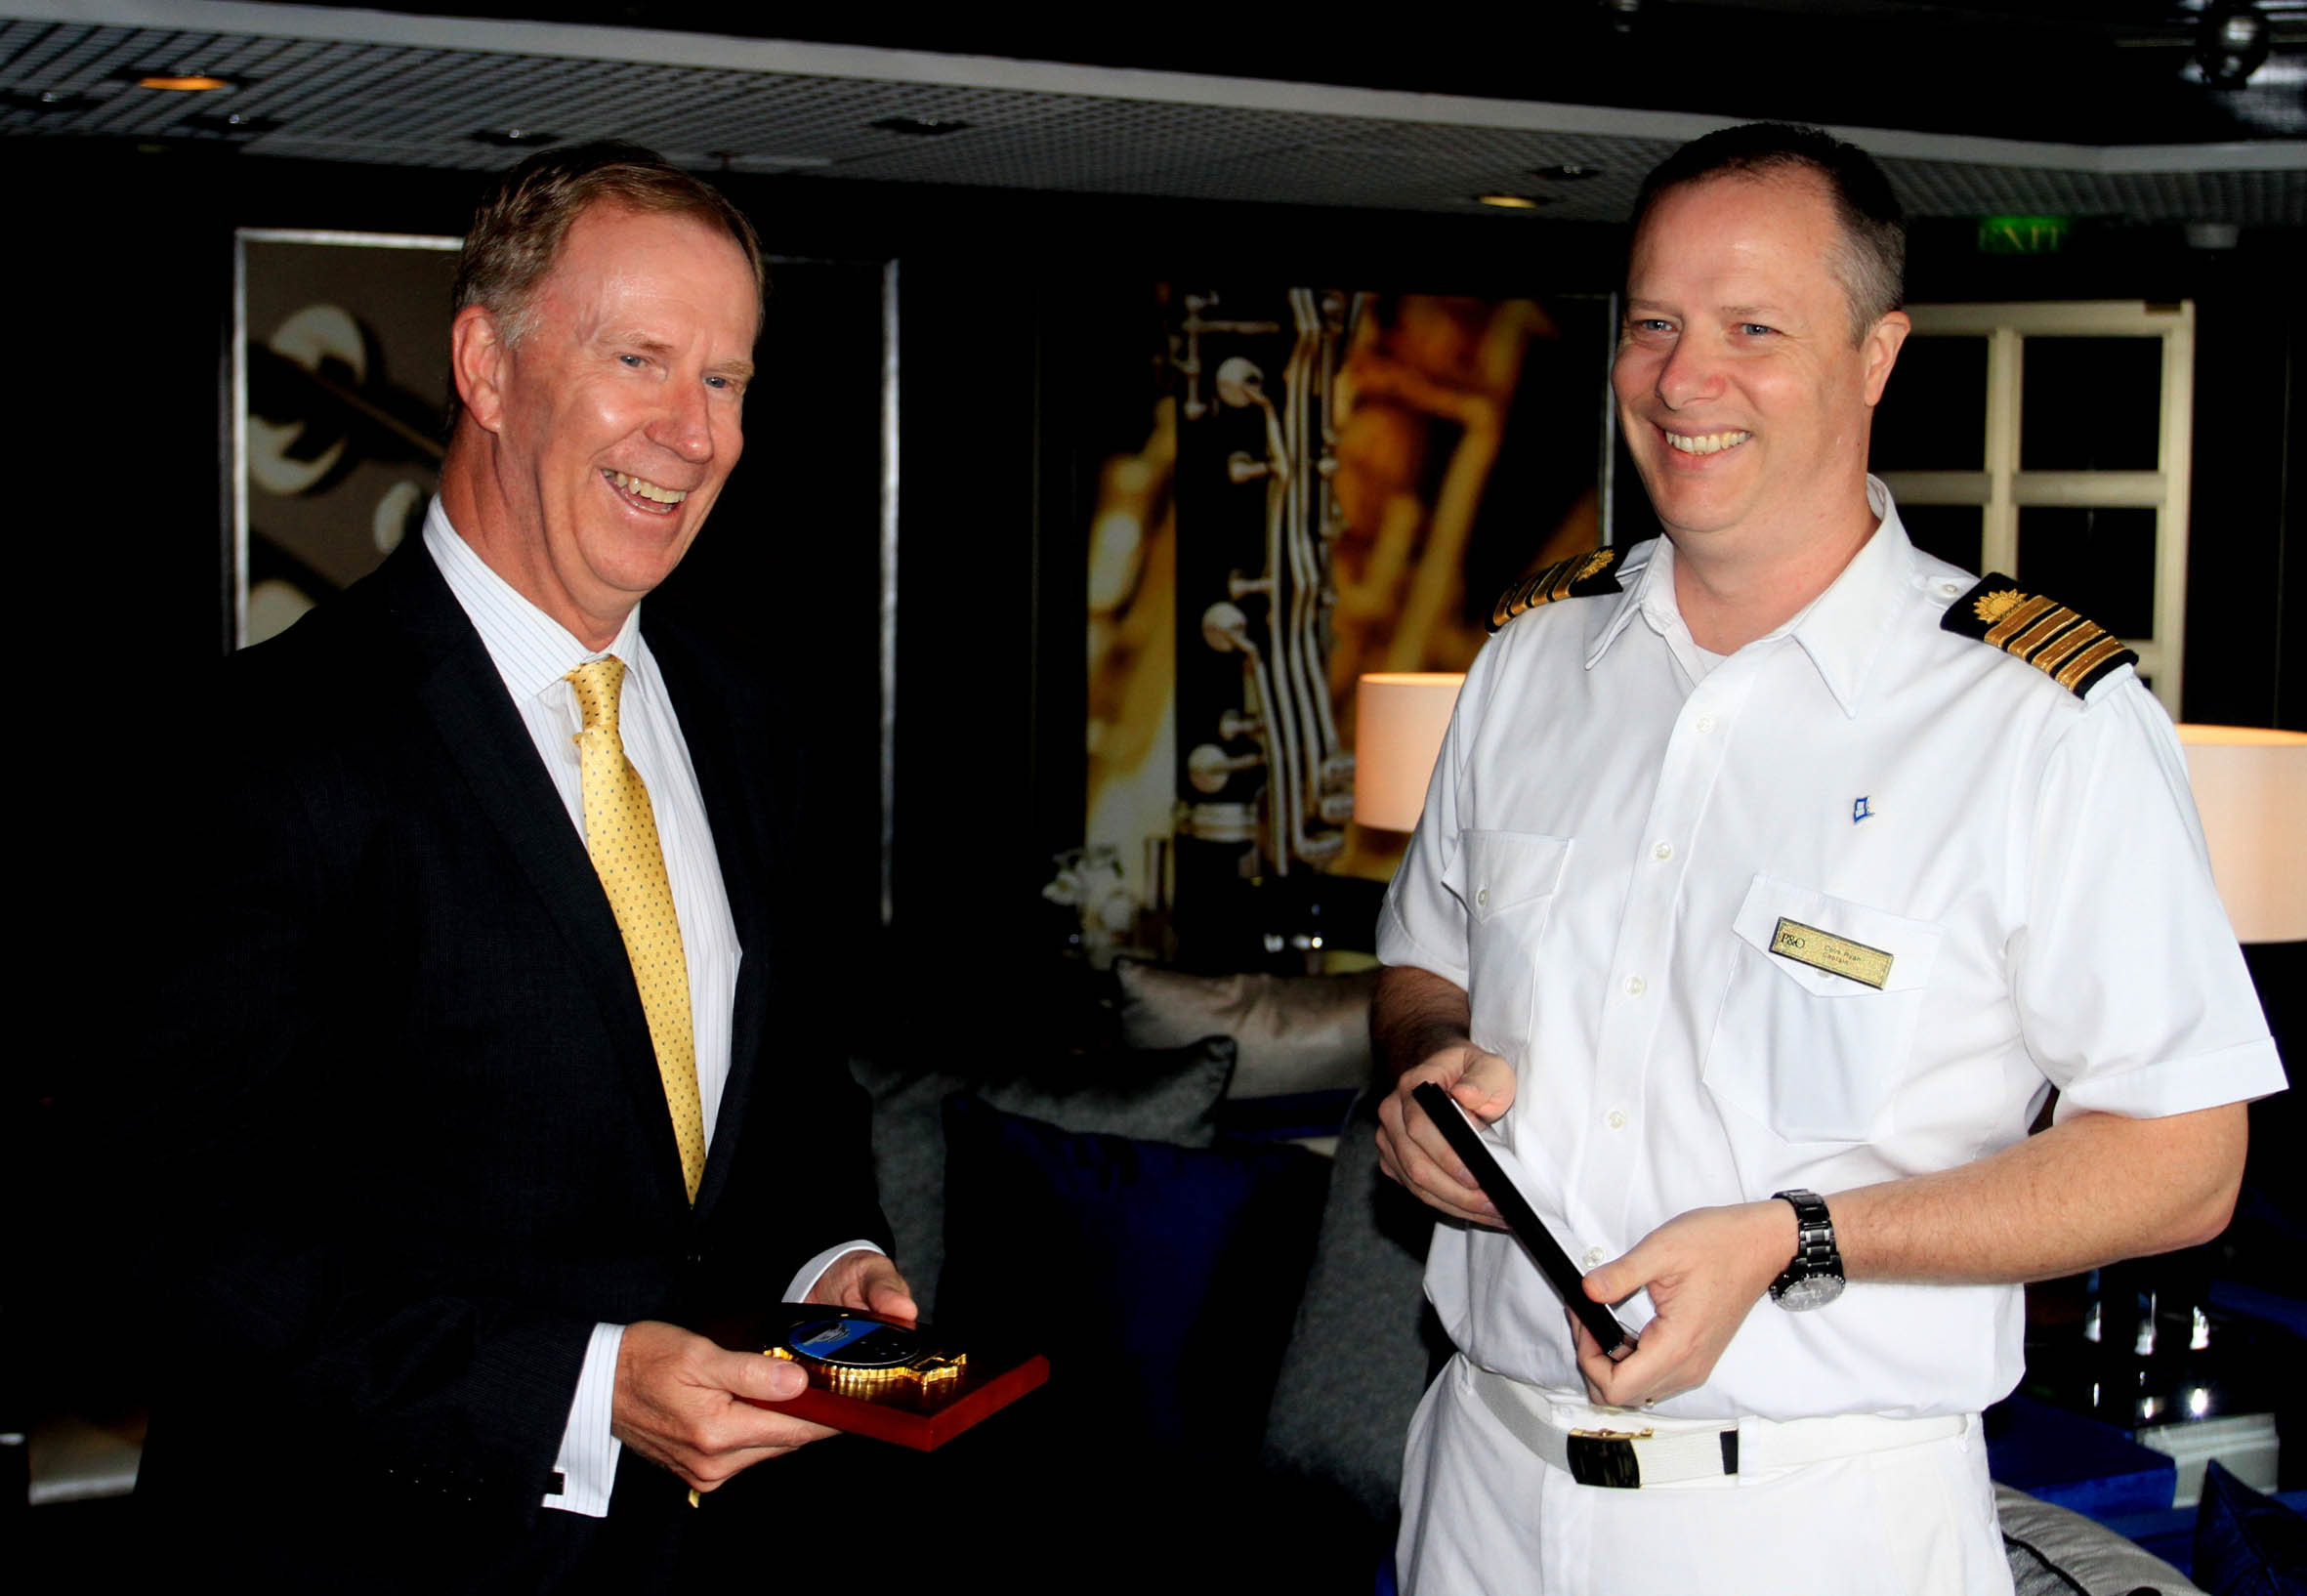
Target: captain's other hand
point(1705, 1270)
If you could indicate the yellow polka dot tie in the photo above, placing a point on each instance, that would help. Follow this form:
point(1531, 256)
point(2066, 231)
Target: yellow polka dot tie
point(621, 834)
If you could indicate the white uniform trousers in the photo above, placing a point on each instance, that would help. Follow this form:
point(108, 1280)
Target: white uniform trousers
point(1482, 1514)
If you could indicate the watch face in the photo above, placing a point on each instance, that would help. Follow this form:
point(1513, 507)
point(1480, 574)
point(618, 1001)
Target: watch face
point(1811, 1291)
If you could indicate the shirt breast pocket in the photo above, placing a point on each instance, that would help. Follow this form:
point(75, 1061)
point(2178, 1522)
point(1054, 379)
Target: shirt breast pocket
point(1511, 878)
point(1817, 1022)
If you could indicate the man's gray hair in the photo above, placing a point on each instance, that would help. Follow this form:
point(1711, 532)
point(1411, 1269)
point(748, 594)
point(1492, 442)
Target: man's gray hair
point(524, 220)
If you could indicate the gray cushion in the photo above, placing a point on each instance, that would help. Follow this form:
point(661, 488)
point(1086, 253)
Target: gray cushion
point(2054, 1552)
point(1154, 1094)
point(1161, 1095)
point(1357, 1361)
point(1295, 1034)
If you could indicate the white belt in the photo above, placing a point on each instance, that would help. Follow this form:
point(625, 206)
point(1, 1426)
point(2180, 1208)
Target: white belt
point(1644, 1452)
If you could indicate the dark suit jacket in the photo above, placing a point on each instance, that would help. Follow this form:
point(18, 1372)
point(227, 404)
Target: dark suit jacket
point(409, 1142)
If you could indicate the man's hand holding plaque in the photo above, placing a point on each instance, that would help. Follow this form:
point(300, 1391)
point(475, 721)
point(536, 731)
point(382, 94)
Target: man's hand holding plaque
point(889, 1378)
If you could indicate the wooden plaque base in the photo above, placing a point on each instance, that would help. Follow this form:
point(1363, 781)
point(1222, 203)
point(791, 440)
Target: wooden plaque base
point(922, 1416)
point(923, 1428)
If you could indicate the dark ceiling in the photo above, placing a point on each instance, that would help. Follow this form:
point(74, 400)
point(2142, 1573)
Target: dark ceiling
point(2068, 71)
point(2027, 110)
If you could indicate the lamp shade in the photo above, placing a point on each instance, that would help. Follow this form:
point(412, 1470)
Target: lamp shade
point(1398, 721)
point(2251, 787)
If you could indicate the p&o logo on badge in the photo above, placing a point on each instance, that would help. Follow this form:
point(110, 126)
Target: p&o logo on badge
point(1835, 955)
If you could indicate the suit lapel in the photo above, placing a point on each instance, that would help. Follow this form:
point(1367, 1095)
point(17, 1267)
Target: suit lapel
point(461, 692)
point(732, 808)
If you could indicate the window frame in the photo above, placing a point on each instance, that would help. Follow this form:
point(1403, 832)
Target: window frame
point(2002, 489)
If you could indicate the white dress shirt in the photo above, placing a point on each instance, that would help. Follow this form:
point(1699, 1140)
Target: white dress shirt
point(1616, 827)
point(534, 654)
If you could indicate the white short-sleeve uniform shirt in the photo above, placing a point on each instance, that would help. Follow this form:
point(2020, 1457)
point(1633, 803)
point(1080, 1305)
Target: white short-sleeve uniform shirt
point(1618, 824)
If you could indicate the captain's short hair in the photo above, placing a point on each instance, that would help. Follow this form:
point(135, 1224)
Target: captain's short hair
point(1871, 262)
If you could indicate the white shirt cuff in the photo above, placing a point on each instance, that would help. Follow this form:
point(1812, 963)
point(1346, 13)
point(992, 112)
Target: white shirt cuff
point(806, 1280)
point(588, 1460)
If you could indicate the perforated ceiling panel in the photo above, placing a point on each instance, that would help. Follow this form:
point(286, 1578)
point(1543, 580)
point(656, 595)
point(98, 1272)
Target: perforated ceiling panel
point(2244, 198)
point(434, 105)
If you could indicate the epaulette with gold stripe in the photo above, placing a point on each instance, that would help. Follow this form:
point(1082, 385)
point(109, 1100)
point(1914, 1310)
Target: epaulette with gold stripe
point(2077, 653)
point(1580, 577)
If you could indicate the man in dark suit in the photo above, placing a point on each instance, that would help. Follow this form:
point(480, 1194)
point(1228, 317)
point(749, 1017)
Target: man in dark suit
point(493, 1046)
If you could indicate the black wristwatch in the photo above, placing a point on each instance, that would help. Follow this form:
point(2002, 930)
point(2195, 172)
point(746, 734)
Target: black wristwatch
point(1815, 1276)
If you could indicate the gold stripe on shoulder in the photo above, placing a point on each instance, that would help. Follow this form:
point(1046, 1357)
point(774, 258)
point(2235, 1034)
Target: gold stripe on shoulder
point(2107, 652)
point(2074, 653)
point(2014, 613)
point(2075, 640)
point(1580, 577)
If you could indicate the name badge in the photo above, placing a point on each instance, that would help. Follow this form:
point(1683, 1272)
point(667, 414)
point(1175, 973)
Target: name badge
point(1837, 955)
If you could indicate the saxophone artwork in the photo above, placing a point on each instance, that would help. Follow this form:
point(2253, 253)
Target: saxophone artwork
point(1315, 498)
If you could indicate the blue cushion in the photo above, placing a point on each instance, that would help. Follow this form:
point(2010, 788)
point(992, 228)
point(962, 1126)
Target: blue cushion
point(1166, 1095)
point(2075, 1462)
point(1164, 1279)
point(2245, 1543)
point(1286, 1118)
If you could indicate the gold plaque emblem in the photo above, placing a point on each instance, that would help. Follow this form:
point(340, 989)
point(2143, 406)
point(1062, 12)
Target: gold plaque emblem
point(859, 1356)
point(1837, 955)
point(928, 1372)
point(1992, 606)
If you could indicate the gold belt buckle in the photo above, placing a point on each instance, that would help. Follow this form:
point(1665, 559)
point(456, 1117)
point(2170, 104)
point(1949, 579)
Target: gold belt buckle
point(1606, 1458)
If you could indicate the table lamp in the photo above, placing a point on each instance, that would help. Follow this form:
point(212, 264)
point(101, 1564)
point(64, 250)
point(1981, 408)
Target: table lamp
point(2251, 787)
point(1398, 721)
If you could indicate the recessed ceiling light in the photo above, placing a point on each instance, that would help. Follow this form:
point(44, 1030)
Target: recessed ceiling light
point(921, 127)
point(236, 123)
point(184, 83)
point(1514, 202)
point(512, 136)
point(49, 101)
point(1567, 172)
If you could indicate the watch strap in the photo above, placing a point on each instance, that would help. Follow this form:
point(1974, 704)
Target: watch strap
point(1815, 1252)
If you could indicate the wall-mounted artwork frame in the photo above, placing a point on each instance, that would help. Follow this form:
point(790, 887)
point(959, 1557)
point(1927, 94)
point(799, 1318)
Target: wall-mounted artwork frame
point(337, 383)
point(1331, 481)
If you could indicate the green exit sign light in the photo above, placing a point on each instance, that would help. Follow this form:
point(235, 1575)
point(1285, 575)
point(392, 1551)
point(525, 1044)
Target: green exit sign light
point(2022, 234)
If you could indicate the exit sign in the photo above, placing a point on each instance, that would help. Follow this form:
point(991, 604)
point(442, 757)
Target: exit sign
point(2022, 234)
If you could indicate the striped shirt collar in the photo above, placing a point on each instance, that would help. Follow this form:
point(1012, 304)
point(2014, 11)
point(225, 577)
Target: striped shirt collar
point(531, 650)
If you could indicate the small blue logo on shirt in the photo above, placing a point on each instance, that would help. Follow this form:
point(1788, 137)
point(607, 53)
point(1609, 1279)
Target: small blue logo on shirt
point(1860, 811)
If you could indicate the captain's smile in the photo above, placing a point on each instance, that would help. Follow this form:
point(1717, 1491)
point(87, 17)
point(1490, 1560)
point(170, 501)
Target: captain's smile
point(1703, 442)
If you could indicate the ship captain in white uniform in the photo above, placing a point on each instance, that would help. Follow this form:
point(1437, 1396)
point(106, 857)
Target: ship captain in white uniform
point(1773, 874)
